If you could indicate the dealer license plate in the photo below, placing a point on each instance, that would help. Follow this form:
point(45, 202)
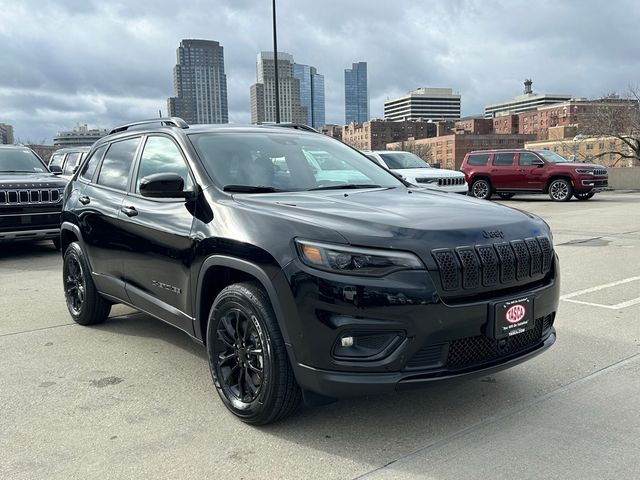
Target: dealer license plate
point(513, 317)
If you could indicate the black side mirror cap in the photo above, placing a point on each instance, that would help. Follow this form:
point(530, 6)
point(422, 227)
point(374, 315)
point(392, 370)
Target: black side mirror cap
point(164, 185)
point(55, 169)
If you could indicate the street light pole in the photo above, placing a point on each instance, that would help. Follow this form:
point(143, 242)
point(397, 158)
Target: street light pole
point(275, 62)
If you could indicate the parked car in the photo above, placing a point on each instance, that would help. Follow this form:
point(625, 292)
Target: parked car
point(507, 172)
point(299, 284)
point(67, 160)
point(30, 197)
point(418, 172)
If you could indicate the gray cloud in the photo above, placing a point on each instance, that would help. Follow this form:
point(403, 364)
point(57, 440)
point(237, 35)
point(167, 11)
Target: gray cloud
point(104, 63)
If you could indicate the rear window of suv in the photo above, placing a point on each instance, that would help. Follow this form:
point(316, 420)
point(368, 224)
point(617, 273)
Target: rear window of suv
point(478, 159)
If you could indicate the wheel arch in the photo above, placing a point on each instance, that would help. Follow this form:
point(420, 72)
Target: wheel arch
point(220, 271)
point(69, 233)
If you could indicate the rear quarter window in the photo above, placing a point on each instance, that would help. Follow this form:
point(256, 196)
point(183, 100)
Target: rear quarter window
point(478, 159)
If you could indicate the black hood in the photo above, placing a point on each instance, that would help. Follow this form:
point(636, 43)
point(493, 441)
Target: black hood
point(396, 218)
point(31, 180)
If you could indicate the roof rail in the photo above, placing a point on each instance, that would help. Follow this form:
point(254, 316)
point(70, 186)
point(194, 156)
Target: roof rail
point(170, 121)
point(297, 126)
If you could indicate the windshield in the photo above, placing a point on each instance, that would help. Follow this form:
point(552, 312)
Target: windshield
point(401, 160)
point(286, 162)
point(551, 157)
point(20, 161)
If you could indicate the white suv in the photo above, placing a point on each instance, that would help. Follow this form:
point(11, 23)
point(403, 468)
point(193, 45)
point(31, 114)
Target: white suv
point(418, 172)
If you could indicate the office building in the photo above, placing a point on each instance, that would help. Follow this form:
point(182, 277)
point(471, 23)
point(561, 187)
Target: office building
point(6, 134)
point(424, 103)
point(311, 93)
point(262, 93)
point(356, 94)
point(79, 136)
point(522, 103)
point(200, 84)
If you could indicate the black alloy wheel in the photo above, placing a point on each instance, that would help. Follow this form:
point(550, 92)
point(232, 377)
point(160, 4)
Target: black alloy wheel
point(74, 285)
point(240, 356)
point(248, 358)
point(481, 189)
point(85, 304)
point(560, 190)
point(584, 196)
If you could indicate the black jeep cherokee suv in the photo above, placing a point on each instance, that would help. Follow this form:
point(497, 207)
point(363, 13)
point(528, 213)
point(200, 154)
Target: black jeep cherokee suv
point(302, 276)
point(30, 197)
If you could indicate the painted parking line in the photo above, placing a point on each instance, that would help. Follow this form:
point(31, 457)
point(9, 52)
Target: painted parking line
point(569, 297)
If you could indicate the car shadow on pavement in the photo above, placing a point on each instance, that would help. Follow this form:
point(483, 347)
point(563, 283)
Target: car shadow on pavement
point(29, 250)
point(138, 324)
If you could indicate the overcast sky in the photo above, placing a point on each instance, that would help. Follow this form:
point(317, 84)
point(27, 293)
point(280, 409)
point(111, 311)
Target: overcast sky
point(108, 62)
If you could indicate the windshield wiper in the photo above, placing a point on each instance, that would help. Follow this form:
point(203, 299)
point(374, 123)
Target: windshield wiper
point(17, 171)
point(347, 185)
point(250, 189)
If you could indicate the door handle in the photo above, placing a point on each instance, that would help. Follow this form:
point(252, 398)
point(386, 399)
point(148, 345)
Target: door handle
point(129, 211)
point(84, 200)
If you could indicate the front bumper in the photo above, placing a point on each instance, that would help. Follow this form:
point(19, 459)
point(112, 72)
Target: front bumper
point(340, 385)
point(433, 339)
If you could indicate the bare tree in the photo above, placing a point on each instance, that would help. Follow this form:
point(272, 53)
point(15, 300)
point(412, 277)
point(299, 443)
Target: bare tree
point(420, 149)
point(617, 117)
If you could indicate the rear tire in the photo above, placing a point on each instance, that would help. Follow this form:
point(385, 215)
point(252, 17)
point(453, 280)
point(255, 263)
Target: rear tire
point(481, 189)
point(560, 190)
point(506, 196)
point(247, 356)
point(84, 303)
point(583, 196)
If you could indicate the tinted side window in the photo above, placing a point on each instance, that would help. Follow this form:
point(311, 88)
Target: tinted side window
point(478, 159)
point(503, 159)
point(116, 165)
point(90, 166)
point(72, 160)
point(56, 159)
point(527, 159)
point(161, 155)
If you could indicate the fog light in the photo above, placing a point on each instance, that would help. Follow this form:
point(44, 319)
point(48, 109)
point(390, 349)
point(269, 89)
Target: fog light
point(346, 341)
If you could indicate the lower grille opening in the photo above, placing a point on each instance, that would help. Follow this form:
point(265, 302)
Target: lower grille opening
point(472, 351)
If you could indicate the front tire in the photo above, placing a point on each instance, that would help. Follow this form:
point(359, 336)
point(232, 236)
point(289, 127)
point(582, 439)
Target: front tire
point(481, 189)
point(584, 196)
point(560, 190)
point(84, 303)
point(247, 356)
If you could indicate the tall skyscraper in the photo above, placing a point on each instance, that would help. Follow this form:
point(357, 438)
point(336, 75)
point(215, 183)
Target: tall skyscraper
point(200, 83)
point(311, 93)
point(263, 92)
point(356, 94)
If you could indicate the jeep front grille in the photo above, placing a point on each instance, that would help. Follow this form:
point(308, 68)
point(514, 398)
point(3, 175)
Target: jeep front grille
point(599, 171)
point(30, 196)
point(500, 264)
point(442, 182)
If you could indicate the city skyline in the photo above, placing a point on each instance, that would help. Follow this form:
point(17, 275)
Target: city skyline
point(51, 82)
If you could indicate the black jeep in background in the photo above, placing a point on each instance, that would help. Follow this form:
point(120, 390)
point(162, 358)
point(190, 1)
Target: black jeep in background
point(299, 281)
point(30, 197)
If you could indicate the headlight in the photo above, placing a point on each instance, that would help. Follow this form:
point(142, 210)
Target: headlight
point(584, 171)
point(355, 261)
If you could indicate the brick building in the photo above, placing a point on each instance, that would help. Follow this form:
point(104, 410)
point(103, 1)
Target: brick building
point(476, 126)
point(449, 150)
point(6, 133)
point(506, 124)
point(375, 134)
point(332, 130)
point(583, 148)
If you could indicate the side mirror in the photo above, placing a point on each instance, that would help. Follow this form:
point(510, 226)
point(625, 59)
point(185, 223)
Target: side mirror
point(163, 185)
point(537, 162)
point(55, 169)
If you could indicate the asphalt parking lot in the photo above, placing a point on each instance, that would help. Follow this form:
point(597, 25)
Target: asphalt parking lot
point(133, 398)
